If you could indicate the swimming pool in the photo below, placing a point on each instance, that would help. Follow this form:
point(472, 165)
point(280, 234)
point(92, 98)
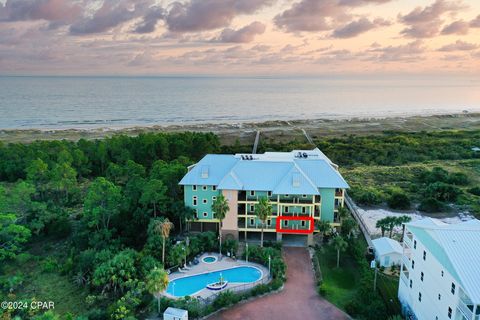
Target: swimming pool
point(190, 285)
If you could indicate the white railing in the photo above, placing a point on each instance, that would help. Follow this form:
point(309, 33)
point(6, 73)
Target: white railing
point(404, 277)
point(407, 262)
point(235, 288)
point(407, 241)
point(465, 310)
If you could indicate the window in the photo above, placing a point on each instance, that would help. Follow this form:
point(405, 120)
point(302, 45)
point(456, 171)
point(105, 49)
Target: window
point(303, 223)
point(336, 202)
point(269, 222)
point(413, 264)
point(424, 255)
point(453, 288)
point(196, 213)
point(252, 222)
point(442, 273)
point(194, 187)
point(414, 244)
point(205, 201)
point(439, 296)
point(286, 209)
point(214, 198)
point(252, 208)
point(252, 193)
point(214, 188)
point(286, 195)
point(449, 313)
point(411, 283)
point(421, 276)
point(205, 214)
point(269, 193)
point(285, 223)
point(204, 188)
point(420, 296)
point(304, 195)
point(194, 201)
point(304, 210)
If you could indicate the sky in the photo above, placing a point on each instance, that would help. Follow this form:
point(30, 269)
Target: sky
point(229, 37)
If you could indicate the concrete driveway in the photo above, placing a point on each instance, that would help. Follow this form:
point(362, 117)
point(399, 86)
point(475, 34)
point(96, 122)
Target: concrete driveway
point(298, 300)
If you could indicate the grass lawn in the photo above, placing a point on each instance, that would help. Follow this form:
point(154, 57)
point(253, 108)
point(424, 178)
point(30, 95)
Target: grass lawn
point(388, 288)
point(339, 284)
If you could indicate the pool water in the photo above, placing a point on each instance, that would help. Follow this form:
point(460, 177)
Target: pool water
point(209, 259)
point(189, 285)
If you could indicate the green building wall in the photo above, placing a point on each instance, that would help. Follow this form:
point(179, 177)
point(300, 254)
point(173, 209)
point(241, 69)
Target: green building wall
point(328, 204)
point(201, 195)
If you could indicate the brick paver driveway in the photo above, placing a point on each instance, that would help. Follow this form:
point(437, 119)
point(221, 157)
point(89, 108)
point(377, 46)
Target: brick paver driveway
point(298, 300)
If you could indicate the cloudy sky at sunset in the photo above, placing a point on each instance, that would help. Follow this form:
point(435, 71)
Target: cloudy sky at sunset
point(239, 36)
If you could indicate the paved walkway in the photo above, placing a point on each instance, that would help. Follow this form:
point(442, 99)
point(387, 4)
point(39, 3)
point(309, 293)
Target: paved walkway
point(298, 300)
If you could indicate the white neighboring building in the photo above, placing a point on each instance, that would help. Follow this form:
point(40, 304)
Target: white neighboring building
point(440, 273)
point(175, 314)
point(387, 251)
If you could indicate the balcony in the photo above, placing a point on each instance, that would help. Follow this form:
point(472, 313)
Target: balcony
point(466, 310)
point(404, 276)
point(339, 193)
point(408, 239)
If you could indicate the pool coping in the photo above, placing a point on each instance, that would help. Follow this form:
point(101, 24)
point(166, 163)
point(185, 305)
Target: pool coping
point(194, 275)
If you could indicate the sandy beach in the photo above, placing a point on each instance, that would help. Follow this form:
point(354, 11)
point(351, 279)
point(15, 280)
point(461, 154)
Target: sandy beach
point(271, 131)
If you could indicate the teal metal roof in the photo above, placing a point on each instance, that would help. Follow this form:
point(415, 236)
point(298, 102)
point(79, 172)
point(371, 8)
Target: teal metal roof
point(279, 172)
point(216, 166)
point(456, 247)
point(321, 173)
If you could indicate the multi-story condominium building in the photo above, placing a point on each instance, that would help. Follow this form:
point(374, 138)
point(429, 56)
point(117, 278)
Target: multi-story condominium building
point(440, 273)
point(303, 186)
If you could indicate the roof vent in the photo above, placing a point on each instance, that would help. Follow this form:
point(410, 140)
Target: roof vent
point(296, 180)
point(204, 172)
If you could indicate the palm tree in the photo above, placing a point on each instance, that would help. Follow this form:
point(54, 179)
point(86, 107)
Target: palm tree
point(323, 226)
point(348, 226)
point(340, 245)
point(383, 225)
point(156, 282)
point(220, 207)
point(163, 227)
point(263, 210)
point(401, 221)
point(342, 213)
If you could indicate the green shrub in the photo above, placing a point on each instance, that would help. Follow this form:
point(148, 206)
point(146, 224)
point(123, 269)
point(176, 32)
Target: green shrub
point(475, 191)
point(442, 191)
point(225, 299)
point(431, 205)
point(399, 200)
point(367, 196)
point(459, 179)
point(50, 265)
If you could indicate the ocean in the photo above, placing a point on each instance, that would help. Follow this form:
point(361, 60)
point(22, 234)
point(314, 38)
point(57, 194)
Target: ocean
point(36, 102)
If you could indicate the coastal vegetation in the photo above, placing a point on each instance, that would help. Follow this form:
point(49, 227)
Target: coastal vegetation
point(82, 222)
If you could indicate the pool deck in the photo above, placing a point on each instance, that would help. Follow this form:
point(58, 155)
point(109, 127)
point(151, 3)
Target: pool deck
point(222, 263)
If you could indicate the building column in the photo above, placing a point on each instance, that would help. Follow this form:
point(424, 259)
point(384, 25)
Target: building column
point(279, 236)
point(310, 239)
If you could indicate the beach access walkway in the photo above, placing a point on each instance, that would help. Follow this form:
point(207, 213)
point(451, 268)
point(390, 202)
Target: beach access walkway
point(298, 299)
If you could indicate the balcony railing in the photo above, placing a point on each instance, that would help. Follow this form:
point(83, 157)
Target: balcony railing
point(467, 310)
point(404, 277)
point(408, 241)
